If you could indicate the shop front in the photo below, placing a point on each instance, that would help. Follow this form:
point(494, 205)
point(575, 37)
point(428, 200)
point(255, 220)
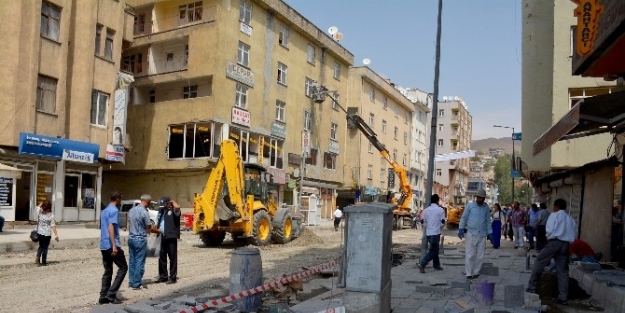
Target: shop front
point(65, 172)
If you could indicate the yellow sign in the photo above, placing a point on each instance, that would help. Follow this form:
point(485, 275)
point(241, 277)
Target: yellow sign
point(260, 149)
point(587, 13)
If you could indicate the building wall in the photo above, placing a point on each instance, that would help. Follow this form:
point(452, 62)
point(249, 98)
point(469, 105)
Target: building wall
point(546, 79)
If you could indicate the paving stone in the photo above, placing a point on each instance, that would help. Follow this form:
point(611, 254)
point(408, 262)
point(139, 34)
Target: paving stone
point(590, 267)
point(186, 300)
point(141, 308)
point(489, 271)
point(533, 304)
point(461, 284)
point(531, 297)
point(454, 292)
point(437, 282)
point(512, 296)
point(112, 308)
point(427, 289)
point(162, 306)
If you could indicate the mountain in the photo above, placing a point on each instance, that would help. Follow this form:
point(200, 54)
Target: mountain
point(502, 143)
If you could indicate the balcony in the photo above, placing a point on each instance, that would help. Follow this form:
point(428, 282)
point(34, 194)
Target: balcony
point(158, 59)
point(169, 16)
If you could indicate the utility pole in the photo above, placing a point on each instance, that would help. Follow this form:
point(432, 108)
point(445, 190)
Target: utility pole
point(432, 151)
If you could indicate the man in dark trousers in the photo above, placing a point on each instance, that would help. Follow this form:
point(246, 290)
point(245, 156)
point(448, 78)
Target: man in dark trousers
point(169, 225)
point(111, 249)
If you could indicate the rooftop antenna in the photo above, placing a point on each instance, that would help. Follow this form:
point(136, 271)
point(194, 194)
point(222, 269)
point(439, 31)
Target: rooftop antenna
point(366, 62)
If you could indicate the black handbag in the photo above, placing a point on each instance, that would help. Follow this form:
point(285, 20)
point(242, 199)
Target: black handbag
point(34, 235)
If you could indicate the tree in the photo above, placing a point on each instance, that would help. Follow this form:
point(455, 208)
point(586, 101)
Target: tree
point(503, 178)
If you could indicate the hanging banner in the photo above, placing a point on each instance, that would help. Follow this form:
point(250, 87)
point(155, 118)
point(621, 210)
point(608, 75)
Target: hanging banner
point(119, 117)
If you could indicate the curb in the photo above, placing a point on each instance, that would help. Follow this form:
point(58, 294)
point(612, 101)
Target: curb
point(28, 245)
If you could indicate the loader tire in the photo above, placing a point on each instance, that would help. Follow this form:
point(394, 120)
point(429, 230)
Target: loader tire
point(284, 233)
point(261, 233)
point(399, 223)
point(213, 238)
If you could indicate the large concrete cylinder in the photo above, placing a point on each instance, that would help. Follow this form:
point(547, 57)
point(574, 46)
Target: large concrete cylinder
point(246, 272)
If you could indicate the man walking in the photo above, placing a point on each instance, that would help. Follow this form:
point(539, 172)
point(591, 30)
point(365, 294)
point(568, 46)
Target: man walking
point(541, 227)
point(112, 252)
point(169, 226)
point(561, 232)
point(531, 225)
point(518, 218)
point(476, 221)
point(338, 214)
point(434, 219)
point(138, 228)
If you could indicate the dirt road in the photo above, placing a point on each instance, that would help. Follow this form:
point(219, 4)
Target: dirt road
point(71, 282)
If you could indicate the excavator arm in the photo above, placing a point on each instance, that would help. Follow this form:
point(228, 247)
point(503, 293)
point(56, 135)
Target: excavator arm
point(228, 171)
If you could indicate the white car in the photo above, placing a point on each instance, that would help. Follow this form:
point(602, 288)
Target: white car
point(129, 204)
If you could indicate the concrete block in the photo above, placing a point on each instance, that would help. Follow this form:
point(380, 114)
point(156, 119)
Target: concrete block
point(437, 282)
point(450, 292)
point(162, 306)
point(599, 292)
point(461, 284)
point(533, 304)
point(531, 297)
point(512, 296)
point(587, 282)
point(490, 271)
point(109, 308)
point(185, 300)
point(427, 289)
point(590, 267)
point(141, 308)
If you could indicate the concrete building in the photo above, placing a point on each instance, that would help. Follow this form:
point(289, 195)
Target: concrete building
point(389, 113)
point(550, 90)
point(453, 134)
point(210, 70)
point(420, 131)
point(60, 74)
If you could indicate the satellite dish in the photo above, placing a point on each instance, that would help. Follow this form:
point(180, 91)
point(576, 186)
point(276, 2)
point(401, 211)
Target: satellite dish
point(337, 36)
point(333, 30)
point(456, 98)
point(444, 98)
point(366, 61)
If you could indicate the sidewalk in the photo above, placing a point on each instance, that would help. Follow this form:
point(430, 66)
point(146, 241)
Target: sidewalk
point(18, 239)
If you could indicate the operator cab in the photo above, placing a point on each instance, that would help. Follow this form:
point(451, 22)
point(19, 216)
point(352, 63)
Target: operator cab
point(256, 179)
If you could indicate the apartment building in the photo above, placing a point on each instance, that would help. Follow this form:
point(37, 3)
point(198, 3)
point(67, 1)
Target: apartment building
point(211, 70)
point(550, 89)
point(453, 134)
point(60, 71)
point(420, 131)
point(389, 113)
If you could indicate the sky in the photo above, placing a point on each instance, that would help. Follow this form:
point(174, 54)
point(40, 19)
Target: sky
point(480, 49)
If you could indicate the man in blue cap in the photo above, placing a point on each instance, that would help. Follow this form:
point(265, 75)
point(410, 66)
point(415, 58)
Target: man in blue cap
point(169, 226)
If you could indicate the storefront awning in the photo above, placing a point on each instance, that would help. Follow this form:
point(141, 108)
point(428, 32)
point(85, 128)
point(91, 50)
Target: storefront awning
point(590, 116)
point(9, 171)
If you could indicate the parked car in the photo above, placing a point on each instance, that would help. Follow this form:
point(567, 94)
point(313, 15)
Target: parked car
point(129, 204)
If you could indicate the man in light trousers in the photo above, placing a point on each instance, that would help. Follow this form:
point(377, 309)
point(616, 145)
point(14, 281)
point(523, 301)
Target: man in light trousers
point(138, 230)
point(561, 232)
point(518, 218)
point(476, 223)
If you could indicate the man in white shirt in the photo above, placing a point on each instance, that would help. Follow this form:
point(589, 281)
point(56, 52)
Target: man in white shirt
point(561, 232)
point(433, 219)
point(338, 214)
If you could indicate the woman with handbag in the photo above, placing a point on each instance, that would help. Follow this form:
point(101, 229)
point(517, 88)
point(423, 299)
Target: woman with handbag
point(45, 228)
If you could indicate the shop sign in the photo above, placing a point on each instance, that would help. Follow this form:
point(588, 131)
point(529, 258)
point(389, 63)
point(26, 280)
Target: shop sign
point(240, 74)
point(334, 147)
point(58, 148)
point(115, 153)
point(294, 158)
point(279, 176)
point(261, 146)
point(119, 117)
point(278, 130)
point(6, 191)
point(246, 29)
point(306, 142)
point(587, 13)
point(241, 117)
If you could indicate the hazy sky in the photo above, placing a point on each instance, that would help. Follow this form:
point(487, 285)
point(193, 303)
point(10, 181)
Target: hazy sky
point(480, 52)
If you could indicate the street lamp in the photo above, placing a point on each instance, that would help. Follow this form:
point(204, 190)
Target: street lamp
point(511, 164)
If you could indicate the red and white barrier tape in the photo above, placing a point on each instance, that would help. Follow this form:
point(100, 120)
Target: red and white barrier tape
point(265, 287)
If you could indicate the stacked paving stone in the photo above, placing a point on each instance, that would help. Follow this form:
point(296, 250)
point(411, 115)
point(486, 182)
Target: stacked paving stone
point(165, 306)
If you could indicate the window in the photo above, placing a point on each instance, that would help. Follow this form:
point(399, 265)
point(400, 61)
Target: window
point(186, 56)
point(440, 127)
point(307, 121)
point(394, 154)
point(395, 131)
point(311, 158)
point(311, 55)
point(245, 13)
point(241, 96)
point(385, 103)
point(334, 129)
point(405, 138)
point(191, 140)
point(99, 105)
point(108, 45)
point(384, 126)
point(372, 94)
point(133, 63)
point(441, 112)
point(337, 97)
point(152, 96)
point(404, 159)
point(369, 171)
point(191, 12)
point(283, 38)
point(282, 69)
point(244, 54)
point(370, 148)
point(439, 172)
point(440, 142)
point(189, 92)
point(280, 111)
point(272, 153)
point(329, 160)
point(577, 94)
point(46, 94)
point(572, 41)
point(98, 38)
point(308, 84)
point(139, 24)
point(337, 70)
point(406, 117)
point(50, 20)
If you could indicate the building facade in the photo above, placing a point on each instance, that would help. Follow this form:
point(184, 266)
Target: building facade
point(389, 113)
point(453, 134)
point(60, 75)
point(206, 71)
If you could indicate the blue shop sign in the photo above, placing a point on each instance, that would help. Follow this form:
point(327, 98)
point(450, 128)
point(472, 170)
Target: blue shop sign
point(278, 130)
point(58, 148)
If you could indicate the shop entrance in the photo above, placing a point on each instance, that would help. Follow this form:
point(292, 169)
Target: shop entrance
point(22, 196)
point(79, 197)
